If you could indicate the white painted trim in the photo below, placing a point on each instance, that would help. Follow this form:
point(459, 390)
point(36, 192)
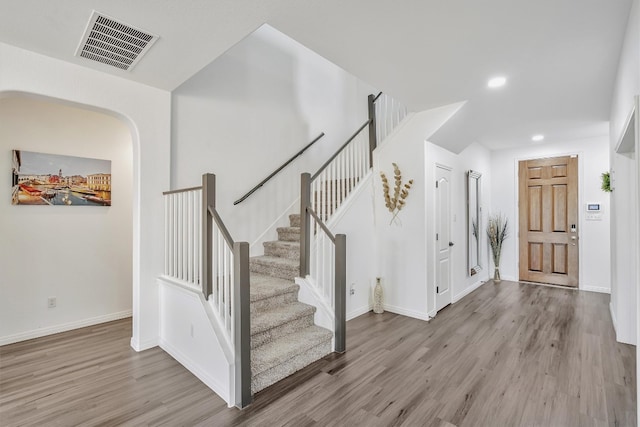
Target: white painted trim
point(37, 333)
point(409, 313)
point(467, 291)
point(432, 314)
point(273, 226)
point(194, 368)
point(358, 312)
point(143, 345)
point(180, 283)
point(599, 289)
point(613, 318)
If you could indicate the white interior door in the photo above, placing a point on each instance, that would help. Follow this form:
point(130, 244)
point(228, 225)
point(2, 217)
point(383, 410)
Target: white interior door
point(443, 237)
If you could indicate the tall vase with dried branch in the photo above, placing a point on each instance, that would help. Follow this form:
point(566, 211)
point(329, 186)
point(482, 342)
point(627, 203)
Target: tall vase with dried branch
point(497, 232)
point(396, 202)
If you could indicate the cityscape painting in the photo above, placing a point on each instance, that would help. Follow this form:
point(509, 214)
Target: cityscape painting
point(51, 179)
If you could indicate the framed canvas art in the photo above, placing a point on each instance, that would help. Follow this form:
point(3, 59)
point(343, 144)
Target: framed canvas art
point(52, 179)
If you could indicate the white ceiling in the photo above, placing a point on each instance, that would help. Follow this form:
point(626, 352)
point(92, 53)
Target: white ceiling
point(560, 56)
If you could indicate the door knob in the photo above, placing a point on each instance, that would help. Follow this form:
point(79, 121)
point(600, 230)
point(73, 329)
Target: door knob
point(451, 243)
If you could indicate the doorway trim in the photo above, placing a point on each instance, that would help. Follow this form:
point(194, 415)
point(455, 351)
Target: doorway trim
point(581, 220)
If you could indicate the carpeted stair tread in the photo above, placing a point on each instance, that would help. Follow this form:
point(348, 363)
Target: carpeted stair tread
point(282, 249)
point(279, 351)
point(279, 316)
point(289, 234)
point(263, 286)
point(284, 268)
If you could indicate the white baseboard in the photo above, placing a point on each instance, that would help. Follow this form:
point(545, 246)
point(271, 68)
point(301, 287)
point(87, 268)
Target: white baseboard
point(193, 367)
point(143, 345)
point(600, 289)
point(467, 291)
point(432, 314)
point(613, 318)
point(37, 333)
point(409, 313)
point(358, 312)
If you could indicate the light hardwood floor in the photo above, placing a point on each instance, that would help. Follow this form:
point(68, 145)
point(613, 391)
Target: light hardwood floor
point(506, 355)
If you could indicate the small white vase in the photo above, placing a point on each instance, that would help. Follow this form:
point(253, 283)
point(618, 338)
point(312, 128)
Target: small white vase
point(377, 297)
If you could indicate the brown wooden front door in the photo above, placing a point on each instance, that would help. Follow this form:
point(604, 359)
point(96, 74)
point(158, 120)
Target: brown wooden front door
point(548, 215)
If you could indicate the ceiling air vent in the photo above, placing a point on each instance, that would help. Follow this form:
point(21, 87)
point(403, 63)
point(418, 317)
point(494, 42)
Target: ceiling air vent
point(114, 43)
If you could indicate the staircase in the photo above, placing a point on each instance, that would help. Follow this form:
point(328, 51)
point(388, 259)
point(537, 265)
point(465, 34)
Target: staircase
point(284, 338)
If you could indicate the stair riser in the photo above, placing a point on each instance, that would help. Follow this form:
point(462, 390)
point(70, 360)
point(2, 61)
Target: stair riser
point(289, 236)
point(273, 302)
point(281, 330)
point(299, 361)
point(294, 220)
point(282, 251)
point(289, 273)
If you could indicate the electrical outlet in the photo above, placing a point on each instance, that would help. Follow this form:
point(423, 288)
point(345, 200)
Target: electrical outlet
point(52, 302)
point(352, 290)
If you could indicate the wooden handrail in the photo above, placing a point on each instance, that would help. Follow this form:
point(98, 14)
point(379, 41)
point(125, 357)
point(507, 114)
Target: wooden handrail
point(182, 190)
point(221, 226)
point(328, 162)
point(275, 172)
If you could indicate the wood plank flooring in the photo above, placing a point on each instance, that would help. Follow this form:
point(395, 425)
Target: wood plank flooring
point(506, 355)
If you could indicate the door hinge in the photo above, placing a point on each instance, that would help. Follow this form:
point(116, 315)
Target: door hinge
point(436, 236)
point(437, 289)
point(436, 184)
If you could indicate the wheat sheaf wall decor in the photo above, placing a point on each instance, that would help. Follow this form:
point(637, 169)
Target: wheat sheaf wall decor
point(396, 202)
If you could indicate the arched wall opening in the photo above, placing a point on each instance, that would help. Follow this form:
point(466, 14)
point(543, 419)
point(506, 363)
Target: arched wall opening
point(82, 256)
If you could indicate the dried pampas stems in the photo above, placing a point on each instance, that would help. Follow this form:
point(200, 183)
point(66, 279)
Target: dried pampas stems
point(400, 192)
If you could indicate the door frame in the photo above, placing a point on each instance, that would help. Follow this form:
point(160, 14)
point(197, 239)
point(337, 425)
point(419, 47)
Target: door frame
point(434, 242)
point(581, 220)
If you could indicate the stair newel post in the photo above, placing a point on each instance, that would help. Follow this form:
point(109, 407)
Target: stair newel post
point(305, 223)
point(341, 293)
point(372, 128)
point(242, 319)
point(208, 199)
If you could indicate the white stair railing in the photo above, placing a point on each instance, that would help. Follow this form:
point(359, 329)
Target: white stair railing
point(183, 239)
point(323, 254)
point(335, 180)
point(200, 253)
point(389, 113)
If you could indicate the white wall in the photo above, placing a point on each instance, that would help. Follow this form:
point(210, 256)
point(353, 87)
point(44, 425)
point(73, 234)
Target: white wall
point(146, 110)
point(625, 299)
point(80, 255)
point(186, 333)
point(593, 159)
point(625, 203)
point(402, 260)
point(357, 222)
point(250, 110)
point(474, 157)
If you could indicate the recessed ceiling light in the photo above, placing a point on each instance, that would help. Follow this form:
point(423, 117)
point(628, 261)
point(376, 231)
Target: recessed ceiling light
point(497, 82)
point(537, 138)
